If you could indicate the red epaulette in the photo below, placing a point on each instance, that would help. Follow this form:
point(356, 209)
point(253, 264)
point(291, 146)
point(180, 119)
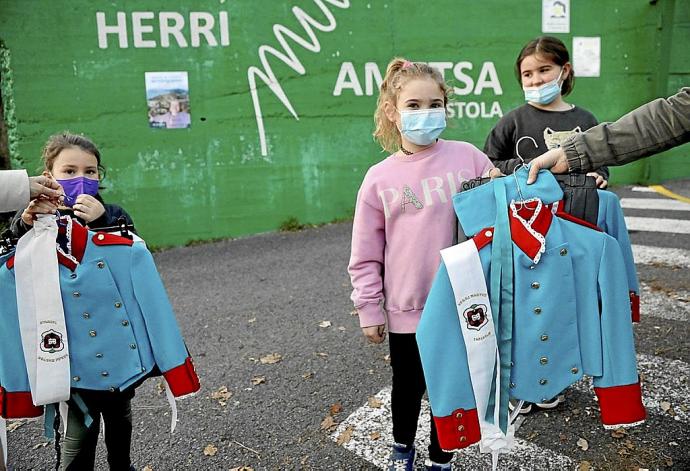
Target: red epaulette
point(483, 237)
point(576, 220)
point(103, 238)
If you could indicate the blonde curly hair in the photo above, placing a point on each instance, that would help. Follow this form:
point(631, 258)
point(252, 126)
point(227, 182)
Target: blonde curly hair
point(398, 72)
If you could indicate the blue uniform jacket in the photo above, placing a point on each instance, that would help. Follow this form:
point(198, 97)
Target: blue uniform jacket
point(120, 325)
point(611, 220)
point(571, 316)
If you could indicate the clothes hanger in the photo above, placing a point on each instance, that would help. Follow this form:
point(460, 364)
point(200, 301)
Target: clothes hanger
point(522, 163)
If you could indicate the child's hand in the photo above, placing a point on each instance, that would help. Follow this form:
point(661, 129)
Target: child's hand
point(601, 183)
point(375, 333)
point(88, 208)
point(495, 173)
point(38, 206)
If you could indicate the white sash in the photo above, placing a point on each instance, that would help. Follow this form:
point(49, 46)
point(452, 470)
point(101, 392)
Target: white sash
point(41, 314)
point(476, 321)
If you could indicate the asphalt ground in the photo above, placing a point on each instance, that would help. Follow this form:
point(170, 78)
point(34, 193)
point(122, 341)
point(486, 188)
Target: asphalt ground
point(239, 301)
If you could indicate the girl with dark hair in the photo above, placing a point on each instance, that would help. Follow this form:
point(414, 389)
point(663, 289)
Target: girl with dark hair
point(73, 161)
point(545, 73)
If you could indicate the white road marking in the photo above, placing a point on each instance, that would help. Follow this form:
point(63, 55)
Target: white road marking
point(662, 204)
point(367, 420)
point(649, 255)
point(677, 226)
point(665, 389)
point(643, 189)
point(673, 305)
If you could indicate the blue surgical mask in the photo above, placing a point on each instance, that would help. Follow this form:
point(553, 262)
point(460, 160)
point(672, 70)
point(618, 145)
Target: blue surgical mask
point(422, 127)
point(544, 94)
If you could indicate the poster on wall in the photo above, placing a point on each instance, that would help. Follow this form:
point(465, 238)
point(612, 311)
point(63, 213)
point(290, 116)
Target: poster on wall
point(555, 16)
point(586, 56)
point(167, 96)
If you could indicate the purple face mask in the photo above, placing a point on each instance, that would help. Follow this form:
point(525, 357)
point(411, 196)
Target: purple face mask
point(78, 186)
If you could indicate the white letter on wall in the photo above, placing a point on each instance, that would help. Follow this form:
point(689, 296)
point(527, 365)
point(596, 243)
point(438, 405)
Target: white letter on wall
point(164, 18)
point(347, 78)
point(224, 28)
point(104, 30)
point(138, 29)
point(201, 23)
point(372, 78)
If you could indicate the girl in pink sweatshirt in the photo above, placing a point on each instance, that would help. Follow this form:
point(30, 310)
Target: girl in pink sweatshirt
point(403, 218)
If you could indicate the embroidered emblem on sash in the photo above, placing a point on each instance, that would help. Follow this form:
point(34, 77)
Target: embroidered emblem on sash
point(475, 316)
point(51, 341)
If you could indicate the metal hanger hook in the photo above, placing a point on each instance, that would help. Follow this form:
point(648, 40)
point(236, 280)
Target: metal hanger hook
point(517, 147)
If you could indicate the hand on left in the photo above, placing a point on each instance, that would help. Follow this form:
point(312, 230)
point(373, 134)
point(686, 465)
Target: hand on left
point(88, 208)
point(601, 182)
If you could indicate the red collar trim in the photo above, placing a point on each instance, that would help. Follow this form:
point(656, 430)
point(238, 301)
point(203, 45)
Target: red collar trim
point(529, 225)
point(76, 235)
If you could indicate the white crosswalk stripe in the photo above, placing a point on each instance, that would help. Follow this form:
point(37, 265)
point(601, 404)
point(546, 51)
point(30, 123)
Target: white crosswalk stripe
point(643, 189)
point(661, 204)
point(371, 438)
point(677, 226)
point(650, 255)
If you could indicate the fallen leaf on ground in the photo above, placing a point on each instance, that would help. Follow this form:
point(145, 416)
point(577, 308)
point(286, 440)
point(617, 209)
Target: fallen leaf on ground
point(346, 436)
point(252, 320)
point(669, 462)
point(160, 387)
point(336, 408)
point(563, 437)
point(222, 395)
point(210, 450)
point(342, 329)
point(665, 406)
point(374, 402)
point(583, 444)
point(147, 468)
point(584, 466)
point(15, 425)
point(258, 380)
point(619, 433)
point(375, 435)
point(271, 358)
point(322, 354)
point(354, 312)
point(242, 468)
point(328, 423)
point(325, 324)
point(39, 445)
point(387, 358)
point(532, 435)
point(308, 375)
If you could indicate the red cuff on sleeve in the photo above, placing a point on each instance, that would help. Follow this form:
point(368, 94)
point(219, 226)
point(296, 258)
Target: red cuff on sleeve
point(621, 405)
point(18, 405)
point(635, 306)
point(458, 430)
point(183, 379)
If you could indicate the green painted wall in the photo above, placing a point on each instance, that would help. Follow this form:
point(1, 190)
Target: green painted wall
point(212, 180)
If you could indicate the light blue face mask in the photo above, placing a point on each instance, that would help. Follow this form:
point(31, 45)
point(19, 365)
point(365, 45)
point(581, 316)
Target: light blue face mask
point(544, 94)
point(422, 127)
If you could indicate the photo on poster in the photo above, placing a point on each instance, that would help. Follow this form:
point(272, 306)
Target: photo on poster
point(167, 95)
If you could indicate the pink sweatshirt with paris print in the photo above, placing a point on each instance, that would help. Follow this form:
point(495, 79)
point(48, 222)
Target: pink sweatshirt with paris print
point(403, 218)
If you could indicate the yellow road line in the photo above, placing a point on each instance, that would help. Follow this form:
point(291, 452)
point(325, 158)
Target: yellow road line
point(666, 192)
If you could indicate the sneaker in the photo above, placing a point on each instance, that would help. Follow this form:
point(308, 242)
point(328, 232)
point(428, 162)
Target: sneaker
point(402, 458)
point(433, 466)
point(551, 403)
point(525, 409)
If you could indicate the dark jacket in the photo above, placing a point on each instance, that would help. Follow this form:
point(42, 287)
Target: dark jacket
point(652, 128)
